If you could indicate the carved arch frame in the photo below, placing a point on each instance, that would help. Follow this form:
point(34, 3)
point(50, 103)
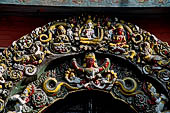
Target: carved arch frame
point(54, 60)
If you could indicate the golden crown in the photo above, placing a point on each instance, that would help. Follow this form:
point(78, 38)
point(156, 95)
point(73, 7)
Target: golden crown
point(90, 55)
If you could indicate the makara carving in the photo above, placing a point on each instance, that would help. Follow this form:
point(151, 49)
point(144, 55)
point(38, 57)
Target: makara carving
point(85, 53)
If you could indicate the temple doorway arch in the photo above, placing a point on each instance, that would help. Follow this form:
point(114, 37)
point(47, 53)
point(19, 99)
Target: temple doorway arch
point(89, 102)
point(85, 53)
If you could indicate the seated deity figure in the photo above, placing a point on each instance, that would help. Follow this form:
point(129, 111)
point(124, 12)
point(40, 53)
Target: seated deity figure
point(61, 36)
point(119, 39)
point(88, 31)
point(159, 99)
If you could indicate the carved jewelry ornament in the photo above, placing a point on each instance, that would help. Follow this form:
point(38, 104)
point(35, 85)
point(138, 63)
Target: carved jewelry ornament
point(85, 53)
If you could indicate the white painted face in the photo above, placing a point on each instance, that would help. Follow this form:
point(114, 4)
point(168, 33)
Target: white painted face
point(69, 32)
point(1, 69)
point(90, 25)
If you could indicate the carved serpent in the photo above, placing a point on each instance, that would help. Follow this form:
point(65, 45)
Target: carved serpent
point(123, 85)
point(52, 86)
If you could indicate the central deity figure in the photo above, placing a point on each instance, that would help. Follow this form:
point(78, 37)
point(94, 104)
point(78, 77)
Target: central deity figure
point(98, 76)
point(90, 66)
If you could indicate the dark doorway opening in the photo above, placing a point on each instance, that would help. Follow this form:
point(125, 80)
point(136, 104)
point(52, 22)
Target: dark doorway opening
point(89, 102)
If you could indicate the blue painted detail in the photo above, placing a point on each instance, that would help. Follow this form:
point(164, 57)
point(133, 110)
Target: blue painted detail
point(92, 3)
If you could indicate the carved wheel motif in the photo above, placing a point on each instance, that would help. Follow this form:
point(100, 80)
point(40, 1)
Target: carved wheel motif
point(85, 53)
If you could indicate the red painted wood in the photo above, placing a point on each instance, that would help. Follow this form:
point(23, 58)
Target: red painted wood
point(14, 27)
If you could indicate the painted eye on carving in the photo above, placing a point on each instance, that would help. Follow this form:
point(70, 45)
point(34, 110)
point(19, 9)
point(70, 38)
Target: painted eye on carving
point(128, 83)
point(52, 84)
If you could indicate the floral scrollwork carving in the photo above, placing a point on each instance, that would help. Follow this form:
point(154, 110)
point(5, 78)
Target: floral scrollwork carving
point(15, 74)
point(30, 70)
point(39, 98)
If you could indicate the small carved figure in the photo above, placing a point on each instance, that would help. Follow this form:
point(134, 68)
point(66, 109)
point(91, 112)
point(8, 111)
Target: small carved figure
point(61, 35)
point(89, 30)
point(71, 77)
point(147, 52)
point(119, 39)
point(70, 34)
point(109, 78)
point(22, 99)
point(110, 33)
point(159, 99)
point(37, 53)
point(90, 66)
point(2, 69)
point(147, 55)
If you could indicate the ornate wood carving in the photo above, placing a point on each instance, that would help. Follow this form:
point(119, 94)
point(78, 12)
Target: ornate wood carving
point(85, 53)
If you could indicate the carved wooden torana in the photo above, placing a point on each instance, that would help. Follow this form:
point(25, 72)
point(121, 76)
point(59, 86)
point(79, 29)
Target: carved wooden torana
point(85, 53)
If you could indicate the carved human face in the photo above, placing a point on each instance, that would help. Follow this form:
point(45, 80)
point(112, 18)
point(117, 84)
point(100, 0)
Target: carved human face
point(120, 31)
point(62, 30)
point(1, 69)
point(90, 25)
point(90, 62)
